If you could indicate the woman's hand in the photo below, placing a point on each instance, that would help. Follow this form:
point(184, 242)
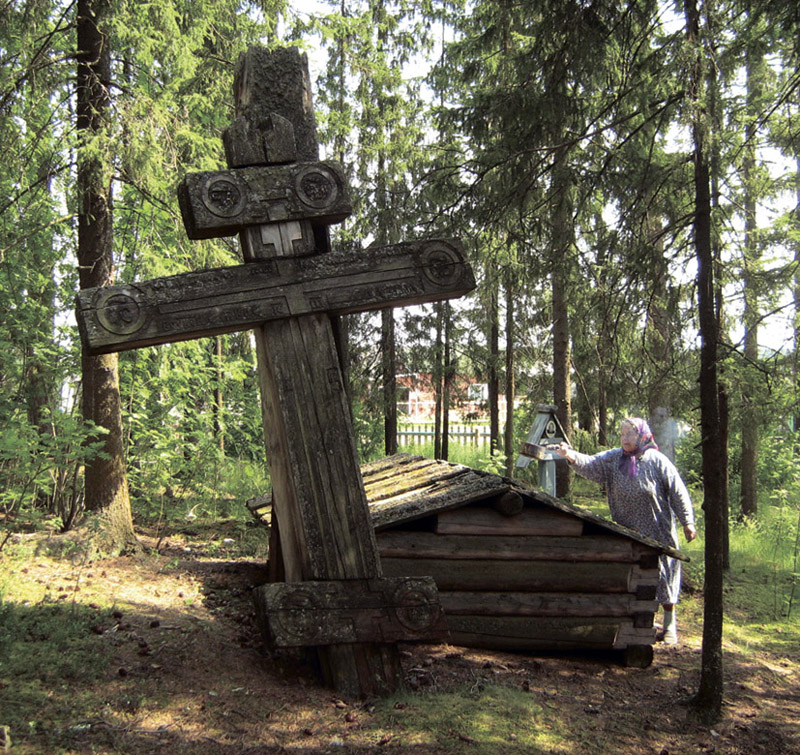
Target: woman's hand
point(565, 451)
point(690, 532)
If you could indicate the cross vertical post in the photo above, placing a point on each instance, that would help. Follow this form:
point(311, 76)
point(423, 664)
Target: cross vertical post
point(319, 500)
point(280, 198)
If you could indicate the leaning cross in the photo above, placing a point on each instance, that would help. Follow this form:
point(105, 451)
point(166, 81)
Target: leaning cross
point(279, 197)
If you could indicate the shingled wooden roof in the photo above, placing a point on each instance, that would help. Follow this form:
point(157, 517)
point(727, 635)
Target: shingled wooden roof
point(404, 487)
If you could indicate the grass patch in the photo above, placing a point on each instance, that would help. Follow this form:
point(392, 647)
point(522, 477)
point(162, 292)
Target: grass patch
point(50, 657)
point(489, 718)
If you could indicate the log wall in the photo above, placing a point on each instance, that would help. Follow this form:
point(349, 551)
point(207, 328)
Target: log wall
point(515, 568)
point(539, 579)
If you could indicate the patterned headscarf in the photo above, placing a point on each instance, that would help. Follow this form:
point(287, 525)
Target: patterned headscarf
point(627, 462)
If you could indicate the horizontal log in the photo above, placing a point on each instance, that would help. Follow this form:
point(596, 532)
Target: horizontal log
point(523, 633)
point(545, 604)
point(640, 577)
point(222, 202)
point(224, 300)
point(484, 521)
point(409, 544)
point(299, 614)
point(645, 592)
point(513, 576)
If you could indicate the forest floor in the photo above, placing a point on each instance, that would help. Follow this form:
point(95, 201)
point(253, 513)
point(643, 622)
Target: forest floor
point(173, 662)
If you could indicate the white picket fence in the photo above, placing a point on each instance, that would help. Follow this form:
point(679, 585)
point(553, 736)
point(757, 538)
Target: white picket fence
point(417, 434)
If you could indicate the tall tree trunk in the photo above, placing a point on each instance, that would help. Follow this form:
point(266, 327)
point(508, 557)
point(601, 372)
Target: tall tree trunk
point(388, 361)
point(106, 479)
point(796, 291)
point(602, 408)
point(750, 392)
point(510, 388)
point(707, 705)
point(438, 381)
point(219, 404)
point(724, 444)
point(494, 359)
point(561, 245)
point(715, 179)
point(449, 374)
point(660, 345)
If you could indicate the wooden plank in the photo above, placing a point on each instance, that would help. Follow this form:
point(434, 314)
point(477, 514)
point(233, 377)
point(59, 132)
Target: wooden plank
point(484, 521)
point(395, 466)
point(413, 477)
point(325, 613)
point(466, 488)
point(514, 576)
point(545, 604)
point(523, 633)
point(224, 300)
point(221, 202)
point(400, 544)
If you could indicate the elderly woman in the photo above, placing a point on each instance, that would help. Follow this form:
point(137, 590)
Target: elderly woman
point(645, 492)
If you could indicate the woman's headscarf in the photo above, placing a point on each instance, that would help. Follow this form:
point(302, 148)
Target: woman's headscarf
point(627, 462)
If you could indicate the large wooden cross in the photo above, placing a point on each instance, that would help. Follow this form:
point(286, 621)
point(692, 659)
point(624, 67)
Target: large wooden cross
point(280, 198)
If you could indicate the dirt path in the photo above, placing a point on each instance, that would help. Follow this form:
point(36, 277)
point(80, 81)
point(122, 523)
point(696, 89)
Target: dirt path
point(189, 675)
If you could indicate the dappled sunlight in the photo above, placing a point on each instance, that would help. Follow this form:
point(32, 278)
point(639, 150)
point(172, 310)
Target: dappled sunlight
point(161, 653)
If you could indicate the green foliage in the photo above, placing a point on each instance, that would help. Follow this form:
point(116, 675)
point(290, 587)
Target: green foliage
point(595, 89)
point(766, 550)
point(38, 470)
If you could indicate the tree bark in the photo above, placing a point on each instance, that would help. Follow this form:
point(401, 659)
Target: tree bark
point(493, 379)
point(707, 705)
point(508, 436)
point(105, 479)
point(388, 366)
point(660, 345)
point(438, 381)
point(562, 243)
point(218, 356)
point(447, 383)
point(750, 414)
point(724, 412)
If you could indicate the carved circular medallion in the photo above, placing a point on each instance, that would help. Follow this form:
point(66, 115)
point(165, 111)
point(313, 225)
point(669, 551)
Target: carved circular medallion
point(297, 615)
point(223, 195)
point(120, 310)
point(441, 264)
point(317, 186)
point(418, 610)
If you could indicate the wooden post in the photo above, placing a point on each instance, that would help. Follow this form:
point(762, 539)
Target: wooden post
point(280, 198)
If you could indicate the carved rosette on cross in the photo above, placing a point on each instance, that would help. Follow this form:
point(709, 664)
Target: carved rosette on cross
point(280, 198)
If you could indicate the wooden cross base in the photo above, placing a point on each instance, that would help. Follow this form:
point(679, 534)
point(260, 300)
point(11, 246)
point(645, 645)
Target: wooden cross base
point(379, 610)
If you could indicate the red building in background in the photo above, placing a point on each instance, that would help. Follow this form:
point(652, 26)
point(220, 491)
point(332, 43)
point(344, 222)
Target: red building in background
point(469, 399)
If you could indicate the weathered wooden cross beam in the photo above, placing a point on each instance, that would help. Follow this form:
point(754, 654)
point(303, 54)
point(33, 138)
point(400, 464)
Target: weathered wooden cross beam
point(224, 300)
point(280, 198)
